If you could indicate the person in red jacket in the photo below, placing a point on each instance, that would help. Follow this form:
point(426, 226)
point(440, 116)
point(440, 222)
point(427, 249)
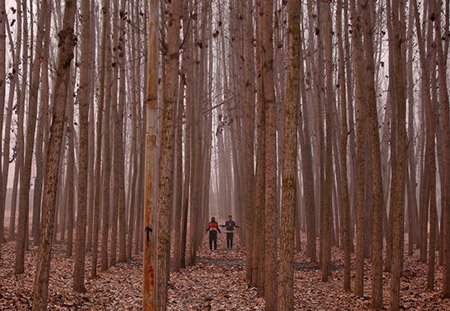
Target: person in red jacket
point(213, 227)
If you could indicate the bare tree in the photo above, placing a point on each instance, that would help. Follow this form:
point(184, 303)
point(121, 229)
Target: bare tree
point(3, 21)
point(346, 237)
point(83, 119)
point(65, 55)
point(270, 217)
point(149, 295)
point(289, 186)
point(166, 159)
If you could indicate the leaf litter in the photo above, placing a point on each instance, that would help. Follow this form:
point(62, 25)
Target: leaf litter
point(215, 282)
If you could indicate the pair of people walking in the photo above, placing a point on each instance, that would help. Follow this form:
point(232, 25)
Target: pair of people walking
point(213, 228)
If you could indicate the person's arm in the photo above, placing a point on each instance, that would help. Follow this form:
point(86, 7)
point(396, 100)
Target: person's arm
point(218, 229)
point(207, 229)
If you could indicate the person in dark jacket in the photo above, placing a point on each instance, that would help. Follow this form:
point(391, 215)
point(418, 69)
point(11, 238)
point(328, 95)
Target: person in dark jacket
point(213, 227)
point(229, 227)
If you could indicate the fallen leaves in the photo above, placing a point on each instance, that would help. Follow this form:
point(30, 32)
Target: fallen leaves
point(216, 282)
point(117, 289)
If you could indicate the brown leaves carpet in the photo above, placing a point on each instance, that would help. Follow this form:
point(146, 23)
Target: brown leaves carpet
point(216, 282)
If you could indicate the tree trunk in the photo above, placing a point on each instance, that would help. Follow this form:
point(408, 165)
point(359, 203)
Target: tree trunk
point(399, 164)
point(106, 132)
point(21, 91)
point(178, 184)
point(119, 153)
point(307, 167)
point(65, 55)
point(83, 157)
point(327, 215)
point(345, 208)
point(166, 159)
point(70, 175)
point(358, 61)
point(285, 298)
point(270, 225)
point(368, 9)
point(441, 46)
point(150, 252)
point(3, 21)
point(7, 139)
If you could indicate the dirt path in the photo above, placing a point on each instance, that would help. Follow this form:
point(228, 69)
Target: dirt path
point(215, 282)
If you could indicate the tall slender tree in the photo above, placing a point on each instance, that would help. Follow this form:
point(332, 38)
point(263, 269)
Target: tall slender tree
point(166, 158)
point(3, 21)
point(358, 61)
point(83, 119)
point(285, 298)
point(270, 217)
point(150, 277)
point(346, 236)
point(67, 42)
point(368, 7)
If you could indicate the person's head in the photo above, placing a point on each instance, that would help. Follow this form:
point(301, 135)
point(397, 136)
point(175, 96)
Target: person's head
point(229, 217)
point(213, 219)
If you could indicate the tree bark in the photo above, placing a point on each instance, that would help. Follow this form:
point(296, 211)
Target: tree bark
point(285, 298)
point(65, 55)
point(83, 157)
point(106, 132)
point(399, 164)
point(150, 252)
point(442, 46)
point(119, 153)
point(270, 217)
point(346, 221)
point(368, 7)
point(3, 21)
point(358, 61)
point(166, 159)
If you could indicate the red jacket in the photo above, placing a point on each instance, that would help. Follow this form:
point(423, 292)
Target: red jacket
point(213, 226)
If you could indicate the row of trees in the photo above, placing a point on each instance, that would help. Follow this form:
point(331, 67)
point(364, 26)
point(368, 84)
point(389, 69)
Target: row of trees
point(71, 120)
point(324, 121)
point(325, 117)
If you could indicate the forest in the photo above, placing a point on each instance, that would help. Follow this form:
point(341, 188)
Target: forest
point(316, 133)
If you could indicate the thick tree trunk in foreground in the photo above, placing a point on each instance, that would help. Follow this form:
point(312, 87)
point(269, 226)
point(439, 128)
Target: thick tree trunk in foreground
point(150, 276)
point(166, 159)
point(289, 184)
point(270, 217)
point(358, 61)
point(65, 55)
point(399, 164)
point(368, 9)
point(442, 50)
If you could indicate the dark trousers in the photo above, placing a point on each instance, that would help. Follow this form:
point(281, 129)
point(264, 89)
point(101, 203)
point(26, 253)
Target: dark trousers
point(230, 240)
point(212, 240)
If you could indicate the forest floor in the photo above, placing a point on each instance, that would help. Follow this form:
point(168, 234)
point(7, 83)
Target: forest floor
point(216, 282)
